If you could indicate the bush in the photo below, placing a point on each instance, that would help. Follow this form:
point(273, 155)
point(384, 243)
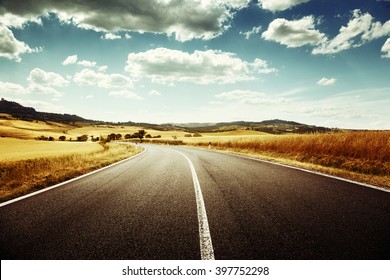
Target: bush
point(82, 138)
point(62, 138)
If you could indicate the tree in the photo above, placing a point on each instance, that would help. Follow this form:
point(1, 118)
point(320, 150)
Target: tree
point(141, 134)
point(62, 138)
point(82, 138)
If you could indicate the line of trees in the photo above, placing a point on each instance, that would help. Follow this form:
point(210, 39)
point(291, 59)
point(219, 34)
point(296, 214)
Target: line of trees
point(141, 134)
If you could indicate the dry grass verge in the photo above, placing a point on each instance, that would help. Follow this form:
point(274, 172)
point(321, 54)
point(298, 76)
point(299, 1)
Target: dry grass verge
point(361, 156)
point(25, 176)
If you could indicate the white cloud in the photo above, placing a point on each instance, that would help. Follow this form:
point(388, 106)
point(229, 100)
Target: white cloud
point(46, 79)
point(125, 94)
point(202, 67)
point(253, 31)
point(360, 29)
point(261, 66)
point(87, 63)
point(43, 89)
point(343, 109)
point(102, 68)
point(10, 47)
point(240, 94)
point(347, 34)
point(326, 82)
point(42, 106)
point(11, 88)
point(253, 98)
point(386, 49)
point(377, 30)
point(72, 59)
point(128, 36)
point(88, 77)
point(40, 82)
point(280, 5)
point(9, 19)
point(186, 20)
point(295, 33)
point(110, 36)
point(154, 92)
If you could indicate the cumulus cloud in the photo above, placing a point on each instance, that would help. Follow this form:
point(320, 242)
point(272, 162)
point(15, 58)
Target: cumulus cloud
point(88, 77)
point(326, 82)
point(295, 33)
point(87, 63)
point(360, 29)
point(202, 67)
point(11, 88)
point(110, 36)
point(9, 19)
point(42, 89)
point(43, 82)
point(10, 47)
point(185, 20)
point(261, 66)
point(72, 59)
point(40, 82)
point(386, 49)
point(280, 5)
point(47, 79)
point(253, 31)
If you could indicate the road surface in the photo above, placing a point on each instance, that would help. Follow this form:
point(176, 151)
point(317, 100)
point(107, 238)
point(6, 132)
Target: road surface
point(147, 208)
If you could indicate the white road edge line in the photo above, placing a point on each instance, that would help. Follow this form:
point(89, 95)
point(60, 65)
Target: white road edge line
point(68, 181)
point(206, 245)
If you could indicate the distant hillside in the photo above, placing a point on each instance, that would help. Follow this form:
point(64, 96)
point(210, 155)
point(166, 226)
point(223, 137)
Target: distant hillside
point(27, 113)
point(269, 126)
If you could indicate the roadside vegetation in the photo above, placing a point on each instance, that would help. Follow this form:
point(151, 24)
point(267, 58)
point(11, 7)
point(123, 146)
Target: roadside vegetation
point(19, 177)
point(362, 156)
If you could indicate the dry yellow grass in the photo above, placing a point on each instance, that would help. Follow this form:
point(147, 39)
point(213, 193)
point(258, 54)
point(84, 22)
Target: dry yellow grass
point(31, 129)
point(13, 128)
point(25, 176)
point(363, 156)
point(12, 149)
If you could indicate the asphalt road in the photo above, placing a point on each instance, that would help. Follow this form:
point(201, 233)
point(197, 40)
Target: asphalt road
point(146, 208)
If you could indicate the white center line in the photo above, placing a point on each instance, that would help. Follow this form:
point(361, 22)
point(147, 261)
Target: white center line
point(206, 246)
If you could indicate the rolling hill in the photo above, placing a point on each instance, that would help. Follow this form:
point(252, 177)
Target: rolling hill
point(275, 126)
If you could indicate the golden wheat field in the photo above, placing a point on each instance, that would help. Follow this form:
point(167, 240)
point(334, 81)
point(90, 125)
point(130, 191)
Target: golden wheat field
point(360, 155)
point(12, 149)
point(20, 177)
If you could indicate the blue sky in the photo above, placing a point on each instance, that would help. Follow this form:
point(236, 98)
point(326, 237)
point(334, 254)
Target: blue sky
point(320, 62)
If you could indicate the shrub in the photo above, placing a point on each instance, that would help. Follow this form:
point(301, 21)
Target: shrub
point(82, 138)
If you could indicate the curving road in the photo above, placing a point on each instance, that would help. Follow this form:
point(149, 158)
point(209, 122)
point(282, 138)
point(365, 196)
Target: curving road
point(147, 208)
